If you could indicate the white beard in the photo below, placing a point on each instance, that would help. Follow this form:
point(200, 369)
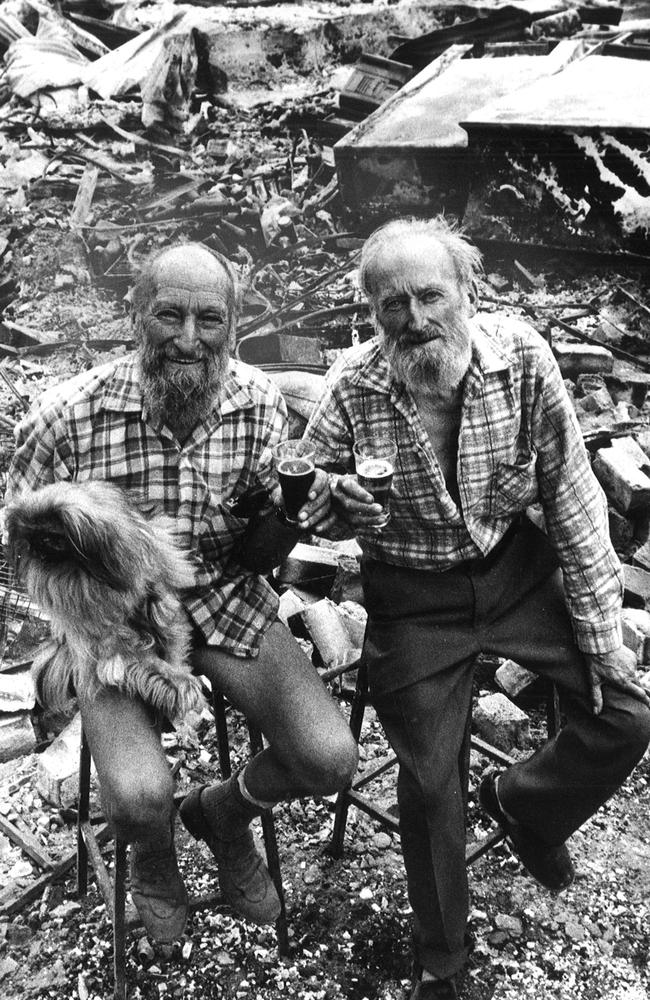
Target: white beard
point(435, 366)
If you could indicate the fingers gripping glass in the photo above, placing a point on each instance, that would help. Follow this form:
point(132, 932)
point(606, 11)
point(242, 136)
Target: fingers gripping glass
point(294, 463)
point(374, 459)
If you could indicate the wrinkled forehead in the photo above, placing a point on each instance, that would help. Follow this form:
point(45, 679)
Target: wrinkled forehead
point(192, 270)
point(416, 261)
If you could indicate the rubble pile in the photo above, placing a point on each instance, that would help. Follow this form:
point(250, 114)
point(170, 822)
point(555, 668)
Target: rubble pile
point(121, 133)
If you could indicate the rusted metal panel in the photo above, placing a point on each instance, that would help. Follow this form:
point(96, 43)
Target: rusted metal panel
point(566, 162)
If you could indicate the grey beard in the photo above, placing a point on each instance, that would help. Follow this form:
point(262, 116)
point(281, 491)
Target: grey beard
point(180, 397)
point(430, 366)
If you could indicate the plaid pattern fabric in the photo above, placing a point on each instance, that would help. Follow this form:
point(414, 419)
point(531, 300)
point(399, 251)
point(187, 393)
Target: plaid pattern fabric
point(95, 426)
point(519, 443)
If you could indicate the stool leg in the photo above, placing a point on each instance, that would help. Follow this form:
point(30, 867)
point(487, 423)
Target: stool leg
point(119, 934)
point(221, 726)
point(272, 855)
point(357, 712)
point(83, 813)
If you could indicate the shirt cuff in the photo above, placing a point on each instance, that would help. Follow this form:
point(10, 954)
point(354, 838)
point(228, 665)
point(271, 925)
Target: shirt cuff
point(601, 637)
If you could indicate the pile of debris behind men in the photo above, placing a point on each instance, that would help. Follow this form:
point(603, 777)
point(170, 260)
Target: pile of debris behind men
point(118, 136)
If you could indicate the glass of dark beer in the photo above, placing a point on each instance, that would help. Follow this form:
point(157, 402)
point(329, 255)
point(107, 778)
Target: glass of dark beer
point(294, 463)
point(374, 459)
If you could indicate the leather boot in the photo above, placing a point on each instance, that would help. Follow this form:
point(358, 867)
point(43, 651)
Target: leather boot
point(224, 825)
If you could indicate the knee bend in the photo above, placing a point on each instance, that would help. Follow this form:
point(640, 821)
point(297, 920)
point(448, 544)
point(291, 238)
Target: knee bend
point(138, 809)
point(334, 768)
point(633, 729)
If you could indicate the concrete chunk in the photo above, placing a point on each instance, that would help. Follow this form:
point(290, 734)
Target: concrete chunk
point(636, 632)
point(622, 471)
point(17, 691)
point(17, 737)
point(637, 586)
point(501, 723)
point(57, 772)
point(582, 359)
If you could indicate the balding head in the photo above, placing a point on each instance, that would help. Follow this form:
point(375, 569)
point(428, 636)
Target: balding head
point(191, 265)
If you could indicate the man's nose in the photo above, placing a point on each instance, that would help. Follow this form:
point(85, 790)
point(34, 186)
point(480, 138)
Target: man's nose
point(186, 340)
point(417, 315)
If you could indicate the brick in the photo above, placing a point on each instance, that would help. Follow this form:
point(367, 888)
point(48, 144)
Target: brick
point(57, 772)
point(620, 469)
point(637, 586)
point(17, 737)
point(501, 723)
point(582, 359)
point(515, 680)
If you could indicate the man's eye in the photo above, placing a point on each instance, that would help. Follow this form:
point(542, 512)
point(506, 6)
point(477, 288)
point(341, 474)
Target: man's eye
point(211, 319)
point(393, 305)
point(167, 315)
point(431, 296)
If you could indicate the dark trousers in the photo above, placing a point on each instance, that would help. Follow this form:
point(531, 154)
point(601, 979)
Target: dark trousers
point(425, 630)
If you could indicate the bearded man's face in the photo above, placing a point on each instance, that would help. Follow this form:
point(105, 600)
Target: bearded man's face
point(422, 315)
point(185, 336)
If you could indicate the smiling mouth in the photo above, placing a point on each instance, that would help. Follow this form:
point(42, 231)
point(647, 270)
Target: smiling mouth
point(185, 361)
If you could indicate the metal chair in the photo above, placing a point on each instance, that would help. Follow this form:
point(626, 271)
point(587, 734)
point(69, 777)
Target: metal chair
point(113, 889)
point(352, 795)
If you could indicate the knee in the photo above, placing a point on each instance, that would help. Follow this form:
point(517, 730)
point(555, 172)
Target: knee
point(137, 806)
point(334, 767)
point(632, 729)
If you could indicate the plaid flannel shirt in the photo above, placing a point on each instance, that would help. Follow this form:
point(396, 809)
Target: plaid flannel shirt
point(519, 444)
point(95, 426)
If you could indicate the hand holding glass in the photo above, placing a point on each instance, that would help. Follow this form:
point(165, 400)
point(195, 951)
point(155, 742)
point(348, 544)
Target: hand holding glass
point(294, 462)
point(374, 459)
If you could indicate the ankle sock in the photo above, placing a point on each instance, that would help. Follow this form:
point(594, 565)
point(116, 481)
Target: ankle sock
point(246, 795)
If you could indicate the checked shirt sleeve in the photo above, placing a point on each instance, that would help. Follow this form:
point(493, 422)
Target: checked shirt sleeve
point(330, 431)
point(576, 516)
point(43, 454)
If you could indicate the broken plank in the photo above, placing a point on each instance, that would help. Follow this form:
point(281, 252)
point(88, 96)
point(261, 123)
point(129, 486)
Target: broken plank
point(20, 835)
point(10, 903)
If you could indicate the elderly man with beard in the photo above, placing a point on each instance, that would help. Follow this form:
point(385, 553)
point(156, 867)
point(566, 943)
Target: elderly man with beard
point(483, 428)
point(182, 426)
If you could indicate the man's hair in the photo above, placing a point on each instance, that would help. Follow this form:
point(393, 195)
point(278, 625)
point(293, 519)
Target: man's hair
point(465, 256)
point(145, 286)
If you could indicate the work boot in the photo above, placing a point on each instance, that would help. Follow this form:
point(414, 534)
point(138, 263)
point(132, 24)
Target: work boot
point(551, 865)
point(158, 891)
point(224, 825)
point(432, 989)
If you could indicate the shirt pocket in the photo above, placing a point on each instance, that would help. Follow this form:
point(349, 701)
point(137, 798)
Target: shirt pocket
point(515, 485)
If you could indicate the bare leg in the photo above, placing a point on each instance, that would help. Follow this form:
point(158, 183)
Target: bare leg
point(134, 776)
point(311, 750)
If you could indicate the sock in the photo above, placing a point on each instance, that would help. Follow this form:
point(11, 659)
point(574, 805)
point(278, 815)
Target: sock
point(258, 803)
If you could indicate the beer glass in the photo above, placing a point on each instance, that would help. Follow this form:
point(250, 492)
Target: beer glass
point(294, 463)
point(374, 460)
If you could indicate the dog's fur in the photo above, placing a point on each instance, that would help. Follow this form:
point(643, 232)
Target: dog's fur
point(109, 575)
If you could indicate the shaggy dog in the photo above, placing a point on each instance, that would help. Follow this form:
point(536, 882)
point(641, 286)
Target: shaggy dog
point(108, 574)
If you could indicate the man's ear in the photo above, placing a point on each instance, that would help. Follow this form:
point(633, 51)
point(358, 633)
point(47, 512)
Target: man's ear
point(472, 297)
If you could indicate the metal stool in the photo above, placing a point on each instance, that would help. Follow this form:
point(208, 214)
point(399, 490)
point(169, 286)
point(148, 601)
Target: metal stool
point(113, 889)
point(352, 794)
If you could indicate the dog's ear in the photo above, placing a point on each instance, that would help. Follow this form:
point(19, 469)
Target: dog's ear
point(98, 547)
